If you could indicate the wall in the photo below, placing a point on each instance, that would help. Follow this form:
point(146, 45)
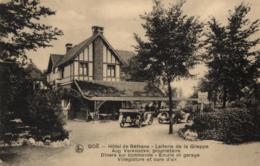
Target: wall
point(98, 59)
point(66, 74)
point(53, 76)
point(110, 59)
point(74, 71)
point(85, 56)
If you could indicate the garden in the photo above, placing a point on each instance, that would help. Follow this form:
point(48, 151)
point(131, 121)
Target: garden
point(229, 125)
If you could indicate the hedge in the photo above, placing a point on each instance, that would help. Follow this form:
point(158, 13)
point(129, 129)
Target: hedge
point(232, 125)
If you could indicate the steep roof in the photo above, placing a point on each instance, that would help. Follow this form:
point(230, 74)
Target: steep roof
point(53, 61)
point(122, 55)
point(125, 55)
point(77, 48)
point(56, 58)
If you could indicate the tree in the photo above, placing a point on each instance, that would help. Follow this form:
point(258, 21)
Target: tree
point(31, 112)
point(19, 88)
point(135, 70)
point(21, 30)
point(172, 39)
point(45, 115)
point(206, 84)
point(232, 57)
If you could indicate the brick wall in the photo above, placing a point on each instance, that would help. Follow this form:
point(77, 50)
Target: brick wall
point(98, 59)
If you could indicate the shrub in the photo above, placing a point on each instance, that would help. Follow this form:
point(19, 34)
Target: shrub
point(256, 114)
point(29, 113)
point(237, 104)
point(45, 116)
point(231, 125)
point(208, 108)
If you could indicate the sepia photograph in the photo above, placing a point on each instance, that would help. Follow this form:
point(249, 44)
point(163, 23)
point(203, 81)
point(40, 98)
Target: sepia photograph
point(129, 82)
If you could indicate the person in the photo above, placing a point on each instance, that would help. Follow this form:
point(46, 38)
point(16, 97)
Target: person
point(66, 106)
point(153, 107)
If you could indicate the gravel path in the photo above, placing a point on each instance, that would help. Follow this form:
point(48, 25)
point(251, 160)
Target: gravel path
point(105, 133)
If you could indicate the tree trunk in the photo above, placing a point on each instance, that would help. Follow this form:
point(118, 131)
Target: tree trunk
point(170, 105)
point(214, 99)
point(158, 108)
point(224, 98)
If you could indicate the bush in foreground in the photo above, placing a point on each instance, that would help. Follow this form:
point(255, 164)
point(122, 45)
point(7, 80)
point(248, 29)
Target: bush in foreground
point(28, 112)
point(45, 116)
point(232, 125)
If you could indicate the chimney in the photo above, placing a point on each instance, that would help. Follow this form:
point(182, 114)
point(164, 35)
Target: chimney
point(68, 46)
point(97, 29)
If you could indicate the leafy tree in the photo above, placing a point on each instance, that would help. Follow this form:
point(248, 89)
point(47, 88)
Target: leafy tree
point(232, 57)
point(19, 88)
point(45, 115)
point(135, 70)
point(21, 30)
point(206, 84)
point(39, 110)
point(172, 39)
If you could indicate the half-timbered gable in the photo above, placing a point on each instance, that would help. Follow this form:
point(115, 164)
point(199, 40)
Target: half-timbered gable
point(111, 65)
point(83, 64)
point(92, 59)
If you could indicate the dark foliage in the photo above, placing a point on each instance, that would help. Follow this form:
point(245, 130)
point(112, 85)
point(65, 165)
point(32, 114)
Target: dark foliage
point(45, 116)
point(232, 57)
point(171, 45)
point(207, 108)
point(20, 29)
point(29, 113)
point(20, 87)
point(135, 70)
point(231, 125)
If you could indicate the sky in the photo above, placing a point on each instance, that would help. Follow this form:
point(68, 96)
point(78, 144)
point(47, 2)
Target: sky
point(120, 19)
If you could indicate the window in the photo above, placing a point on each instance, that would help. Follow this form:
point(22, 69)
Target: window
point(83, 69)
point(111, 71)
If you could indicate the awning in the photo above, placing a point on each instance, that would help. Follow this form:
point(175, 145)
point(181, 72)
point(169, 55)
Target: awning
point(122, 91)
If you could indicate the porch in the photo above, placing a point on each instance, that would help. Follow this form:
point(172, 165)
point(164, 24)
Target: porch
point(99, 99)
